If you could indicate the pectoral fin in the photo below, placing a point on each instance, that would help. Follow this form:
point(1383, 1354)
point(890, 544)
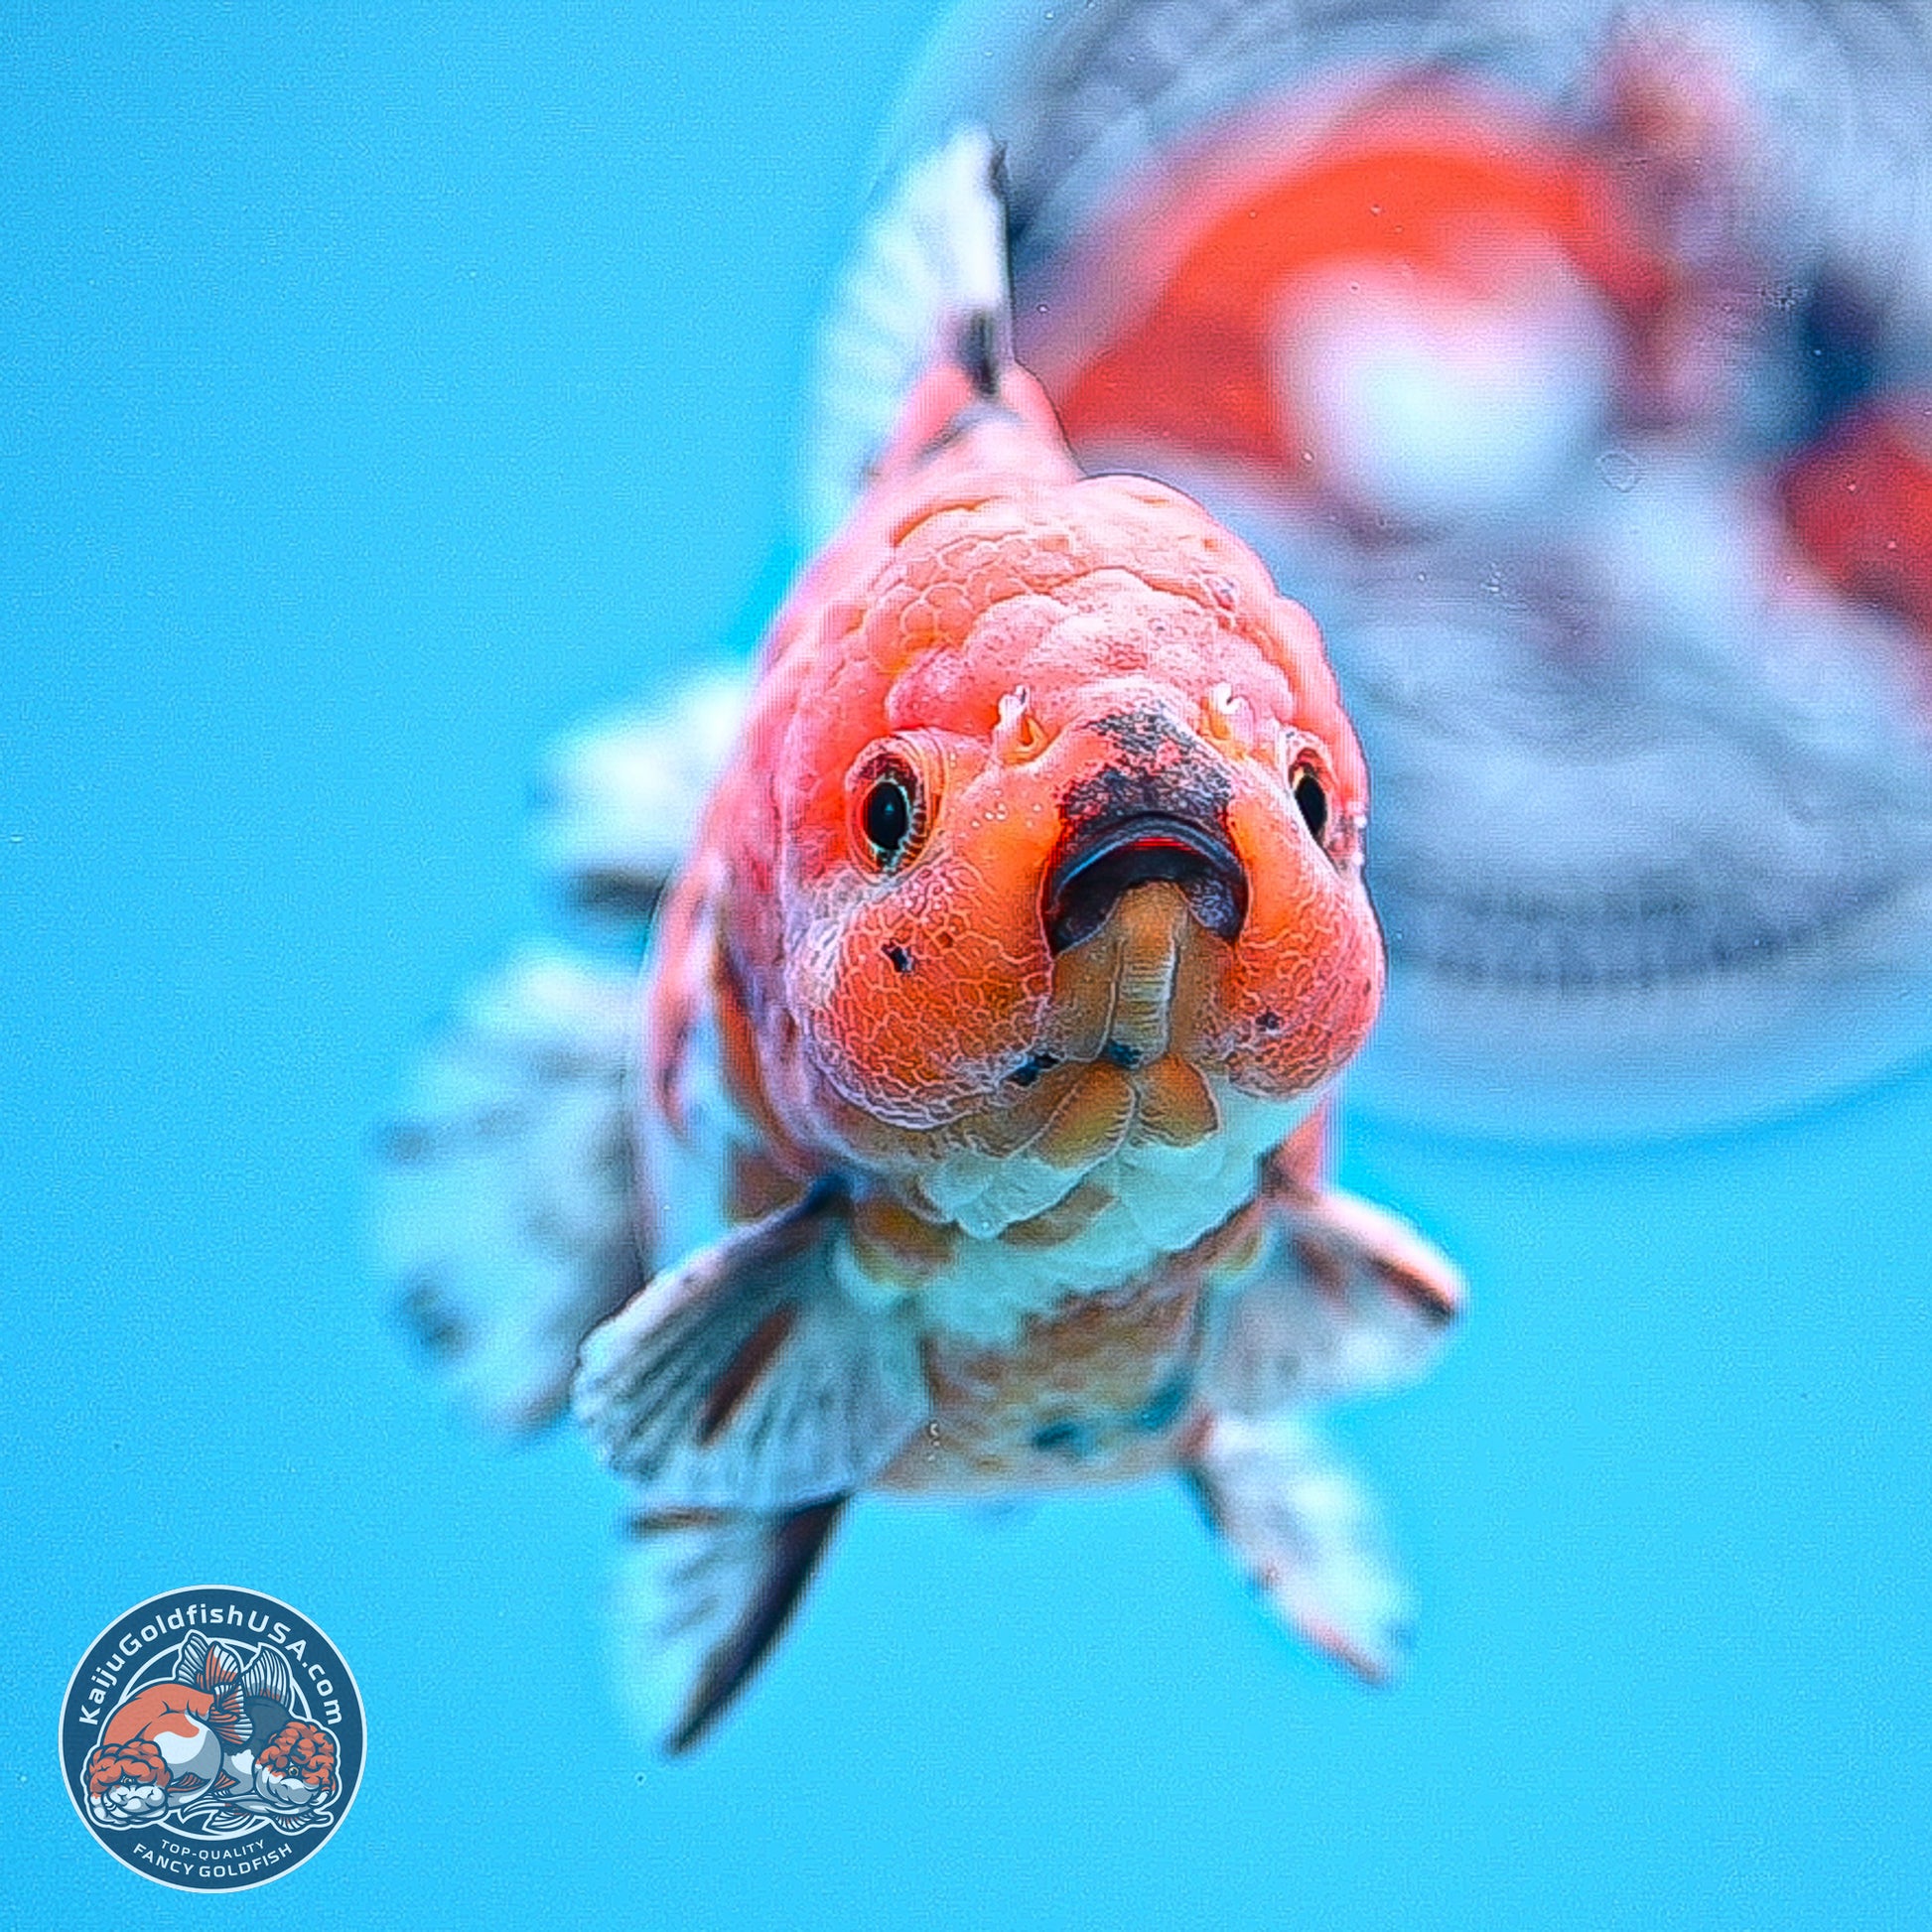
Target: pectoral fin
point(745, 1379)
point(1305, 1535)
point(1341, 1298)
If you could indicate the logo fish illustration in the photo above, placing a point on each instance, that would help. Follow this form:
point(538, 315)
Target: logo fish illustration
point(214, 1730)
point(976, 1122)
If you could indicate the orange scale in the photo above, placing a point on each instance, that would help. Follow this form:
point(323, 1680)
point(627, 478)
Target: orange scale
point(929, 540)
point(1016, 622)
point(882, 641)
point(916, 630)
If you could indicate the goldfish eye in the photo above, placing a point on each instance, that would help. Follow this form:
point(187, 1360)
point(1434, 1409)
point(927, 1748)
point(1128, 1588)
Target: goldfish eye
point(888, 816)
point(1311, 802)
point(888, 812)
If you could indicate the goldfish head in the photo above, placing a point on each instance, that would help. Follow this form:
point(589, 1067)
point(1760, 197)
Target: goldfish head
point(1069, 839)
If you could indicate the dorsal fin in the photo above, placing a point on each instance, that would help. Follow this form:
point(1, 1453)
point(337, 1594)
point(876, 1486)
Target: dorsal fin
point(927, 285)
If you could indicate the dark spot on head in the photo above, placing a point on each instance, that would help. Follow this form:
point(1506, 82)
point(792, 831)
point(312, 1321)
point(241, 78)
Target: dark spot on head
point(902, 959)
point(1162, 768)
point(1140, 734)
point(1270, 1022)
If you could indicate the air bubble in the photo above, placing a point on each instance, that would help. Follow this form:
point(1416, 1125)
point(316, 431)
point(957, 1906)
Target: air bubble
point(1619, 469)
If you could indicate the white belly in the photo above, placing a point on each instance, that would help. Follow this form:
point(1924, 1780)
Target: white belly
point(1164, 1199)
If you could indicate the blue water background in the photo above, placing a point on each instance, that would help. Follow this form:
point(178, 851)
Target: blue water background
point(384, 388)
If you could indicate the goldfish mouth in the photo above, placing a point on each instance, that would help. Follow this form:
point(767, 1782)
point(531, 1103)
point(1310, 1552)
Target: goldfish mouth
point(1101, 862)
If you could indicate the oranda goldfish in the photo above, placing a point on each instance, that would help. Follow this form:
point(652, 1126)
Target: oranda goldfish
point(988, 1035)
point(1566, 360)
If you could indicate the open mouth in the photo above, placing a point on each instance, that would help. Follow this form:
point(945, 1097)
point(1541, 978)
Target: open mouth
point(1103, 861)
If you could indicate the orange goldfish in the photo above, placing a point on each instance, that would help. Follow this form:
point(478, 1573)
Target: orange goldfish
point(988, 1040)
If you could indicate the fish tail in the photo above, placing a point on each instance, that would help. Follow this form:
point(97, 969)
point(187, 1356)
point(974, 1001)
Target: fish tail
point(267, 1677)
point(506, 1218)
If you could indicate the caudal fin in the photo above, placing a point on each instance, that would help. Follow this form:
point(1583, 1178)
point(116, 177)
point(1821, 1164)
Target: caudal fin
point(504, 1212)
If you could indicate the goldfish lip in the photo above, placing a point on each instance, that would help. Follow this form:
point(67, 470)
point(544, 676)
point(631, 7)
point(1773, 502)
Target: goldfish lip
point(1103, 861)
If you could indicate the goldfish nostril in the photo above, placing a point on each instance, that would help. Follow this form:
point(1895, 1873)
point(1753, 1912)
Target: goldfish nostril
point(1019, 736)
point(1311, 802)
point(1226, 720)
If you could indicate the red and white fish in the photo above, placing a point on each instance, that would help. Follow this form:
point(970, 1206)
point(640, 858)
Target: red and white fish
point(217, 1730)
point(989, 1039)
point(1858, 500)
